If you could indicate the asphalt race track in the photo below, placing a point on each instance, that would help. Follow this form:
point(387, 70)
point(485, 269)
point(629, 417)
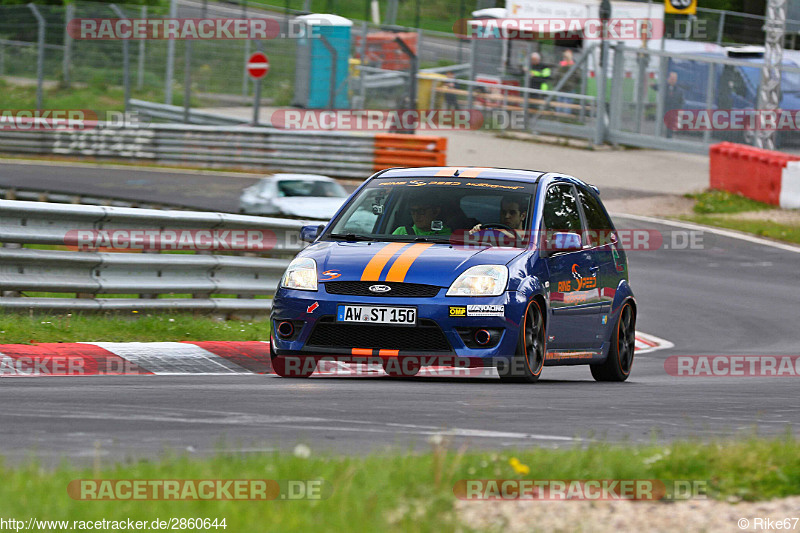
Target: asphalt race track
point(192, 189)
point(730, 297)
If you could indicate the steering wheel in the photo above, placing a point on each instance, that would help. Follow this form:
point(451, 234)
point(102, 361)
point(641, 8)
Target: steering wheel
point(497, 225)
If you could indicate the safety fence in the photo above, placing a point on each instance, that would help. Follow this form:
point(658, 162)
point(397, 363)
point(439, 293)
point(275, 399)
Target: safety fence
point(56, 276)
point(763, 175)
point(561, 98)
point(643, 91)
point(346, 155)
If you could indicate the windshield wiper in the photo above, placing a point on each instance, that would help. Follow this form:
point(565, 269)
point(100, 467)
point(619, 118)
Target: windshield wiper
point(434, 240)
point(351, 237)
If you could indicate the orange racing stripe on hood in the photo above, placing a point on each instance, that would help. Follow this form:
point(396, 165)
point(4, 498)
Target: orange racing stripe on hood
point(403, 263)
point(372, 272)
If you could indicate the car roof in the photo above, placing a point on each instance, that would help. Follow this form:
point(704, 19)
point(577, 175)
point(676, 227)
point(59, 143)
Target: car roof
point(463, 172)
point(295, 177)
point(516, 174)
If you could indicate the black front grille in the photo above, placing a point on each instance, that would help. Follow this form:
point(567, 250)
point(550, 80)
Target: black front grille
point(361, 288)
point(425, 337)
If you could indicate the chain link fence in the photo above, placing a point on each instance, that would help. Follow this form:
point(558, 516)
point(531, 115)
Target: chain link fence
point(215, 67)
point(394, 67)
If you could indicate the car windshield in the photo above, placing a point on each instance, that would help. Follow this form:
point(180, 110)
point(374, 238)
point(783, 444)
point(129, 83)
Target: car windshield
point(329, 189)
point(438, 210)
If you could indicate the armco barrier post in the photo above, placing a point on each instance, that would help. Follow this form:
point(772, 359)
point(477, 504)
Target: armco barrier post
point(140, 66)
point(39, 56)
point(69, 14)
point(126, 65)
point(173, 13)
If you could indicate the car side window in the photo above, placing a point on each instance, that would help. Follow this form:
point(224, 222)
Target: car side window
point(362, 217)
point(561, 209)
point(598, 226)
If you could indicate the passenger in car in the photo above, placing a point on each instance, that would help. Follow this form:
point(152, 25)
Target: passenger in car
point(425, 214)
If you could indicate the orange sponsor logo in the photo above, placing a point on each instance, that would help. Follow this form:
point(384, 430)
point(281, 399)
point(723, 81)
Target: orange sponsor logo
point(583, 282)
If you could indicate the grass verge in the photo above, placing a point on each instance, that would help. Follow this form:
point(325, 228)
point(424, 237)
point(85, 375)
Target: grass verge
point(131, 327)
point(98, 97)
point(763, 228)
point(732, 211)
point(724, 202)
point(400, 492)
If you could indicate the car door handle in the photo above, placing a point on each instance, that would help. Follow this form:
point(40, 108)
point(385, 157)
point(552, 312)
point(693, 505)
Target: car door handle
point(594, 268)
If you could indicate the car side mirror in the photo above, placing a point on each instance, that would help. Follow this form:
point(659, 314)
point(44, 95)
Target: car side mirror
point(310, 233)
point(563, 242)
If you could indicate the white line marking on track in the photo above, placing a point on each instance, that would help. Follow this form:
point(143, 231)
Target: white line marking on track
point(710, 229)
point(168, 358)
point(233, 418)
point(646, 343)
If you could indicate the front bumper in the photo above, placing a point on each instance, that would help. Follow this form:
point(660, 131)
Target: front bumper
point(309, 310)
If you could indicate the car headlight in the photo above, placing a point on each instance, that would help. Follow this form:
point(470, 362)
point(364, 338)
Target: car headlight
point(301, 275)
point(481, 280)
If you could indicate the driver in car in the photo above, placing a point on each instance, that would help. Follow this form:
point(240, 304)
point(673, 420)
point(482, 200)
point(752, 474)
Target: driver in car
point(513, 212)
point(424, 213)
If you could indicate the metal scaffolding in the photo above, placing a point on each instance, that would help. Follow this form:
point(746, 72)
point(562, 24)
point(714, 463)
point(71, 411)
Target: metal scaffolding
point(769, 91)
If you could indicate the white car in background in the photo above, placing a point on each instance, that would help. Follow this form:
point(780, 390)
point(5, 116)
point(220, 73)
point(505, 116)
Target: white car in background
point(294, 195)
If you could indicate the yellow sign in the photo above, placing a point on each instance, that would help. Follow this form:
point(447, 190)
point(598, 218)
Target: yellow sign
point(680, 7)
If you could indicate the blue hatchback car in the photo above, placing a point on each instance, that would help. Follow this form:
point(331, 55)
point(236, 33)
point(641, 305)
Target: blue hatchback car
point(515, 269)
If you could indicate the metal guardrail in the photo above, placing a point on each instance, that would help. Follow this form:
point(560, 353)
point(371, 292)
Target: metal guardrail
point(349, 155)
point(173, 113)
point(40, 195)
point(379, 78)
point(89, 274)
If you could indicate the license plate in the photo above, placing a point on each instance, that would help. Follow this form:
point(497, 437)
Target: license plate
point(377, 315)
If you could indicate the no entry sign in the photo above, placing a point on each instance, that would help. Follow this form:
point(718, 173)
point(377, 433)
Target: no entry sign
point(258, 65)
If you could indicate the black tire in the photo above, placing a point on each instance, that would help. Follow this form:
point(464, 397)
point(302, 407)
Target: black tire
point(400, 368)
point(526, 365)
point(617, 366)
point(297, 367)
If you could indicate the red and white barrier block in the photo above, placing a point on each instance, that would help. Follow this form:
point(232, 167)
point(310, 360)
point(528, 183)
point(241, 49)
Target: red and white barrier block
point(763, 175)
point(790, 186)
point(189, 358)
